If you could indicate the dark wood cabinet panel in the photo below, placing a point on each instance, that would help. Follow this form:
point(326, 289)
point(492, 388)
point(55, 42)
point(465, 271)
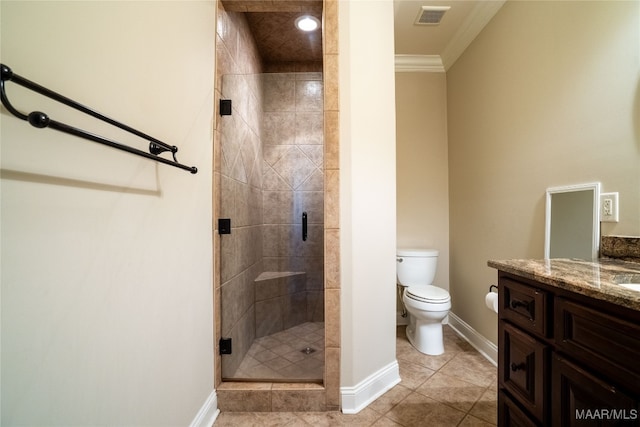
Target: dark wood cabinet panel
point(565, 359)
point(583, 399)
point(509, 414)
point(523, 368)
point(599, 339)
point(523, 305)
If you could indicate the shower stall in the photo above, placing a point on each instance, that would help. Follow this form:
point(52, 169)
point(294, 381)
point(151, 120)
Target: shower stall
point(271, 226)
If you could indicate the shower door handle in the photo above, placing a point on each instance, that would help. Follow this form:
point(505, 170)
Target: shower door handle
point(304, 226)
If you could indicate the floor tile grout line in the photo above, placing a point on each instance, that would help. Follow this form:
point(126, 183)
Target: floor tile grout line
point(373, 416)
point(467, 413)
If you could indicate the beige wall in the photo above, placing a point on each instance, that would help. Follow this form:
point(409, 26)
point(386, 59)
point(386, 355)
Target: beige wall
point(547, 95)
point(422, 166)
point(106, 256)
point(367, 189)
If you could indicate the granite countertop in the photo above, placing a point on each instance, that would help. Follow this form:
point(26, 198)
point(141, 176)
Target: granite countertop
point(600, 279)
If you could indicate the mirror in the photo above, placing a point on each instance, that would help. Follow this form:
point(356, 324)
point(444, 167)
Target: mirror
point(572, 228)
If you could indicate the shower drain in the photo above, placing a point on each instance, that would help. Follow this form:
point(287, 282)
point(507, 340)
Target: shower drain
point(307, 350)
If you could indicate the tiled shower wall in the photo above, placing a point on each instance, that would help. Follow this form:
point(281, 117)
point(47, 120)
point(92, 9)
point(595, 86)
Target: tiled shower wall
point(235, 54)
point(238, 183)
point(294, 181)
point(270, 173)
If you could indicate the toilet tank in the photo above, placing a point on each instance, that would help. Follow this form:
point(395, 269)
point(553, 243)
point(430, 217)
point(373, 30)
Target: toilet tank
point(416, 266)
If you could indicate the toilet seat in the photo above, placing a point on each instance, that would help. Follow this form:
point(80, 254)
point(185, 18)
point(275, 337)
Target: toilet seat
point(428, 293)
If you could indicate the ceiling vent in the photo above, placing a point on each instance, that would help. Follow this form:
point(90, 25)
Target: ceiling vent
point(431, 15)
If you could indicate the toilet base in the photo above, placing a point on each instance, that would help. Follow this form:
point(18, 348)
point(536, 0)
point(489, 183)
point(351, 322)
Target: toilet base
point(425, 337)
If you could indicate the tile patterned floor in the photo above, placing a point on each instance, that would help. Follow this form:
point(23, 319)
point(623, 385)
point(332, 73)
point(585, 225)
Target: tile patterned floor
point(281, 356)
point(458, 388)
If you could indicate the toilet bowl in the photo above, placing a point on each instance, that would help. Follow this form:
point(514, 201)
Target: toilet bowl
point(427, 305)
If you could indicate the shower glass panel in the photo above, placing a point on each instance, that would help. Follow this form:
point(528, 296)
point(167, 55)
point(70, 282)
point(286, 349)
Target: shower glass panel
point(272, 279)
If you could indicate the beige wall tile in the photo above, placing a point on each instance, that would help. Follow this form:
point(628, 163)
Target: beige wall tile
point(331, 140)
point(332, 317)
point(331, 83)
point(330, 27)
point(332, 258)
point(252, 400)
point(308, 95)
point(332, 376)
point(305, 399)
point(332, 199)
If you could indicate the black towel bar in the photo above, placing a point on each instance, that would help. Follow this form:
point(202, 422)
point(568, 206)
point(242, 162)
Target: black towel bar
point(41, 120)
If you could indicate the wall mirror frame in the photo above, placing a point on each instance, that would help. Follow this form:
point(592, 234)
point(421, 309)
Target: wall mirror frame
point(572, 222)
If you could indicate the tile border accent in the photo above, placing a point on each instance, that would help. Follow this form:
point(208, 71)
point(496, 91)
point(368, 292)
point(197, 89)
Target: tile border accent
point(485, 347)
point(332, 285)
point(354, 399)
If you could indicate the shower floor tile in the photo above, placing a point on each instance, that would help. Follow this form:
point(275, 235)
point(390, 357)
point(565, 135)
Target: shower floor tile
point(281, 356)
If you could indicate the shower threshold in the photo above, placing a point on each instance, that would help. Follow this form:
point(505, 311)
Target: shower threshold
point(293, 355)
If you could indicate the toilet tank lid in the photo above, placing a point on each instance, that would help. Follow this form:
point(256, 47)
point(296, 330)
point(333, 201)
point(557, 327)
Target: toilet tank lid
point(417, 252)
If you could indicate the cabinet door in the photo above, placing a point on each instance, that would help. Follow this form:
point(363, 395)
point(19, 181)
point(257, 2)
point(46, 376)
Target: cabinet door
point(509, 414)
point(523, 368)
point(523, 305)
point(580, 399)
point(601, 340)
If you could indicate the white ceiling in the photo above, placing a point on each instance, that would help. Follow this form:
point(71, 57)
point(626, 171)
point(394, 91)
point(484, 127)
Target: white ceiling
point(438, 46)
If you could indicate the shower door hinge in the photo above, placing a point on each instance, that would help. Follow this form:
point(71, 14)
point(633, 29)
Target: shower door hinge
point(225, 107)
point(225, 345)
point(224, 225)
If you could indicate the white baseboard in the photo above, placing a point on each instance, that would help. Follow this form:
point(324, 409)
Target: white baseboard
point(207, 413)
point(355, 399)
point(479, 342)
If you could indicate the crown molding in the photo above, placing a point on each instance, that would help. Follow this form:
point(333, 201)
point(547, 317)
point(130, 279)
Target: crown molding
point(479, 17)
point(419, 63)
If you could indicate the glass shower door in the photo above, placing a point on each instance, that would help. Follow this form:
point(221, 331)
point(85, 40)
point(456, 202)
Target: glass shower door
point(272, 299)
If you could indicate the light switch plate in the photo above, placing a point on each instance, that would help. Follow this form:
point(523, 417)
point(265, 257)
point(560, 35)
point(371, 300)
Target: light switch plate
point(609, 207)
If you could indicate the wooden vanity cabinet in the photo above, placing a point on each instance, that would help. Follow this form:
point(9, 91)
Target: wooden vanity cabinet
point(576, 392)
point(523, 365)
point(565, 359)
point(510, 414)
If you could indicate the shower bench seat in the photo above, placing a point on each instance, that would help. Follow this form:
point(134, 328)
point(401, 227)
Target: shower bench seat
point(280, 301)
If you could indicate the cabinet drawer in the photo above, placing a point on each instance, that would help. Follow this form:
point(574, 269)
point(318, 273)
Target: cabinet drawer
point(523, 305)
point(599, 339)
point(523, 363)
point(583, 399)
point(509, 414)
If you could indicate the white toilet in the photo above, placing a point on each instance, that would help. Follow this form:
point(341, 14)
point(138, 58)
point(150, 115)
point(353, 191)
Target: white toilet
point(427, 305)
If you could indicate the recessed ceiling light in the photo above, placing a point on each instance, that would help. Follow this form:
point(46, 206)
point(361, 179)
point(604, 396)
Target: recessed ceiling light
point(307, 23)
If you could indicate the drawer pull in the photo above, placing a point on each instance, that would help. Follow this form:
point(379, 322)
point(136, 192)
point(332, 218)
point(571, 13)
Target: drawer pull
point(518, 367)
point(517, 303)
